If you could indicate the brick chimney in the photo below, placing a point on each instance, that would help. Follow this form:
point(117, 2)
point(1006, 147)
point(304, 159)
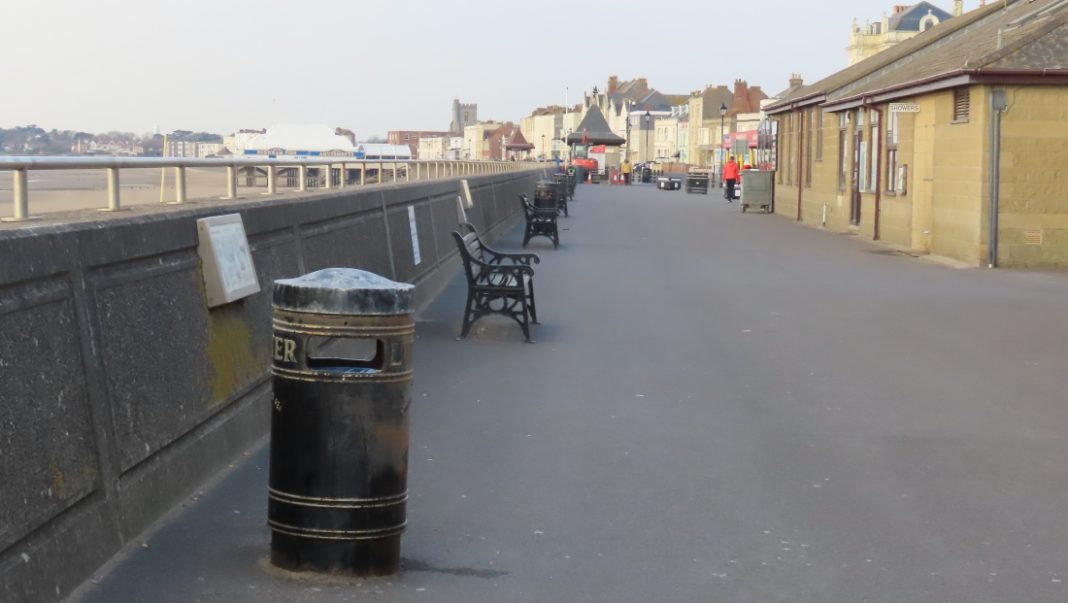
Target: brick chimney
point(740, 102)
point(795, 80)
point(613, 84)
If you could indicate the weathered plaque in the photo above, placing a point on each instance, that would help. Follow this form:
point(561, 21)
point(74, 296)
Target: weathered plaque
point(229, 273)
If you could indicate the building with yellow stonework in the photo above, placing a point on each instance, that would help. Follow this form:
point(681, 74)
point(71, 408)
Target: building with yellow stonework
point(953, 143)
point(716, 112)
point(477, 142)
point(541, 128)
point(904, 22)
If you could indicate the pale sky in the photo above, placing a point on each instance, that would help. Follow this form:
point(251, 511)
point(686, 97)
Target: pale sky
point(222, 65)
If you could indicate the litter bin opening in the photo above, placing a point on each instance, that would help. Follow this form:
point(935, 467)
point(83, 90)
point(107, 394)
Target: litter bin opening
point(327, 353)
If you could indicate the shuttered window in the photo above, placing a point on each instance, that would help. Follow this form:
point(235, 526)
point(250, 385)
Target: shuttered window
point(962, 104)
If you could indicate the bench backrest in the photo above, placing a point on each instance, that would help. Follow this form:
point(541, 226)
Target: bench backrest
point(470, 246)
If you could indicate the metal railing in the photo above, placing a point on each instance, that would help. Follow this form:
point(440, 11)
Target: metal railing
point(400, 169)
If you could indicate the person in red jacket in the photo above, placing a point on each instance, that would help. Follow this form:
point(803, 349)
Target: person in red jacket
point(730, 176)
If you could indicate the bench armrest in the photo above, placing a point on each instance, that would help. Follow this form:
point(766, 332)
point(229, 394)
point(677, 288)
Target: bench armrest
point(516, 270)
point(497, 257)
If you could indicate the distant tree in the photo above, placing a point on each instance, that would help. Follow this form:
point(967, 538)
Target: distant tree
point(376, 138)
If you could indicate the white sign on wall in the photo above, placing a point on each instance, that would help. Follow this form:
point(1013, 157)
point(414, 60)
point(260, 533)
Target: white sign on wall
point(904, 108)
point(416, 256)
point(461, 212)
point(229, 273)
point(465, 190)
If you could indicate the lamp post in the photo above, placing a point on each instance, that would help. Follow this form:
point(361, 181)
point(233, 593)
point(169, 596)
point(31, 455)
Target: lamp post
point(722, 114)
point(630, 108)
point(646, 139)
point(543, 147)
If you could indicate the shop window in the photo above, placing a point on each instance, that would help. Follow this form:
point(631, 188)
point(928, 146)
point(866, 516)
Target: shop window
point(873, 163)
point(808, 146)
point(843, 151)
point(819, 134)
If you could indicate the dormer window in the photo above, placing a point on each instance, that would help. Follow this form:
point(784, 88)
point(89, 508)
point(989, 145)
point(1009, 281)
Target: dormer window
point(928, 21)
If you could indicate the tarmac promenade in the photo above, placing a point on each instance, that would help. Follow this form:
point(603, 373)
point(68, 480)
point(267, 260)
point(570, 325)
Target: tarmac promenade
point(720, 407)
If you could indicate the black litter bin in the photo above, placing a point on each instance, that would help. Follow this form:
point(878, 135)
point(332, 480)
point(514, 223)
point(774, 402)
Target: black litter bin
point(342, 367)
point(647, 175)
point(580, 173)
point(545, 194)
point(563, 191)
point(697, 183)
point(571, 182)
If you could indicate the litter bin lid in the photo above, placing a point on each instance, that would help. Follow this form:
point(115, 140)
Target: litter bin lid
point(343, 291)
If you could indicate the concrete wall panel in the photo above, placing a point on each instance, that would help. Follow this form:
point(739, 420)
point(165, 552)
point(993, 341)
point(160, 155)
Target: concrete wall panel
point(121, 391)
point(153, 351)
point(46, 441)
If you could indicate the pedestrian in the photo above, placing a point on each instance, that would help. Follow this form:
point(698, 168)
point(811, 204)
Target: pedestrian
point(730, 176)
point(626, 171)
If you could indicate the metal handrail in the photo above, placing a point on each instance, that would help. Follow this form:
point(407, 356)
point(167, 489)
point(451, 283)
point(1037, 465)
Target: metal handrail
point(442, 168)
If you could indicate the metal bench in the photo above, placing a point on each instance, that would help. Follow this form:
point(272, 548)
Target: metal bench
point(497, 283)
point(541, 222)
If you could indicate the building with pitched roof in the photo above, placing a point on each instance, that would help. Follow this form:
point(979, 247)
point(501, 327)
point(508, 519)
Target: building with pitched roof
point(411, 138)
point(541, 128)
point(904, 22)
point(477, 140)
point(740, 110)
point(952, 143)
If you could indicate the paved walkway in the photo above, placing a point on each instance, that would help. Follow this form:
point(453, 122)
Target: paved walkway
point(720, 407)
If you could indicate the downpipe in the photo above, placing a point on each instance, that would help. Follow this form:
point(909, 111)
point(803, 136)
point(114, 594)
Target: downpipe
point(997, 106)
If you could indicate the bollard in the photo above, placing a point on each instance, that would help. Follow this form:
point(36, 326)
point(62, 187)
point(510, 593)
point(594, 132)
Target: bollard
point(342, 367)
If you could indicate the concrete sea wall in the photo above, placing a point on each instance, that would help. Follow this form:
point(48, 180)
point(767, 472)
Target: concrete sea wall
point(121, 391)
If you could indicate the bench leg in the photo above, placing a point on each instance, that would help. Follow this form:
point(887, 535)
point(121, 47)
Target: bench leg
point(533, 307)
point(469, 311)
point(525, 323)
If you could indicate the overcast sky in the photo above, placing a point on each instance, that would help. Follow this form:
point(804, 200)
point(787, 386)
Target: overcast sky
point(221, 65)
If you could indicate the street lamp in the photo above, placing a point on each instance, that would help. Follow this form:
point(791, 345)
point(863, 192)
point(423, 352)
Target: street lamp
point(630, 108)
point(543, 147)
point(722, 114)
point(646, 135)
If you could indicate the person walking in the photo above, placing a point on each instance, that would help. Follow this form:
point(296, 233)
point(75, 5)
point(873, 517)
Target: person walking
point(626, 171)
point(730, 176)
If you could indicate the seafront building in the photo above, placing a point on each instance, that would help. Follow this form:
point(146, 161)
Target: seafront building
point(951, 143)
point(904, 22)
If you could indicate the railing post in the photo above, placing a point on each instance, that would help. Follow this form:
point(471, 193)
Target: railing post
point(419, 171)
point(341, 182)
point(231, 182)
point(21, 198)
point(407, 172)
point(363, 173)
point(272, 184)
point(302, 175)
point(114, 203)
point(325, 176)
point(179, 185)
